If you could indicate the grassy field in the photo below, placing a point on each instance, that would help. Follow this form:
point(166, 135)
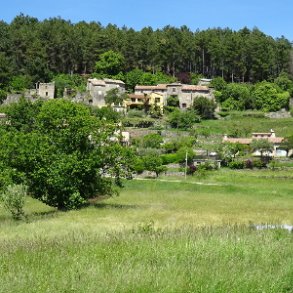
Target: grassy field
point(166, 235)
point(282, 127)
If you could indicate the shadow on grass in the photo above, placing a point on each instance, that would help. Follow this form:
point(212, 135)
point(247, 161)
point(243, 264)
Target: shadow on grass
point(102, 205)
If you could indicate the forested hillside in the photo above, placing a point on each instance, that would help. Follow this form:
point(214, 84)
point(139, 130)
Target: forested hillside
point(41, 49)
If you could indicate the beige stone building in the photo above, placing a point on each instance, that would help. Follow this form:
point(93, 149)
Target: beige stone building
point(145, 101)
point(97, 89)
point(46, 90)
point(185, 93)
point(270, 136)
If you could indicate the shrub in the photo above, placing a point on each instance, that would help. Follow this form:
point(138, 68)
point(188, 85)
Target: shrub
point(169, 158)
point(236, 165)
point(152, 140)
point(138, 165)
point(249, 164)
point(191, 169)
point(259, 164)
point(183, 120)
point(135, 113)
point(13, 199)
point(204, 107)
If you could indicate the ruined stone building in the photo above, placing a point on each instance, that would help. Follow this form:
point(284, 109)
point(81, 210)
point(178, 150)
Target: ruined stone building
point(98, 88)
point(45, 90)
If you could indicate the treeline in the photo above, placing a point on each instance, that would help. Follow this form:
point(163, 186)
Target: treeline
point(42, 49)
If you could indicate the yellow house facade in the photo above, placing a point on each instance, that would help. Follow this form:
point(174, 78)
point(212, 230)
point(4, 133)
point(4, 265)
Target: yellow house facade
point(157, 100)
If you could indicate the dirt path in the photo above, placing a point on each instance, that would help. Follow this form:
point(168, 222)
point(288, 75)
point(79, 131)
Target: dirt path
point(180, 181)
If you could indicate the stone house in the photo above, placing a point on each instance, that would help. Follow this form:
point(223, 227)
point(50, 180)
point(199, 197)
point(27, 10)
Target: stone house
point(270, 136)
point(98, 88)
point(145, 101)
point(185, 93)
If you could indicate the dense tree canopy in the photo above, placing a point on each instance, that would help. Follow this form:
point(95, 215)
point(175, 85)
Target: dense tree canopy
point(42, 49)
point(60, 151)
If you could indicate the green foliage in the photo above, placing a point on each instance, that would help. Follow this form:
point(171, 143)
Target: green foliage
point(238, 129)
point(42, 48)
point(106, 113)
point(195, 78)
point(22, 115)
point(13, 200)
point(182, 152)
point(152, 140)
point(204, 107)
point(154, 163)
point(113, 96)
point(230, 150)
point(20, 83)
point(177, 143)
point(173, 101)
point(137, 164)
point(262, 145)
point(285, 83)
point(70, 81)
point(169, 158)
point(269, 97)
point(110, 62)
point(148, 78)
point(64, 154)
point(135, 113)
point(236, 97)
point(236, 164)
point(133, 78)
point(218, 83)
point(287, 144)
point(138, 122)
point(183, 120)
point(3, 95)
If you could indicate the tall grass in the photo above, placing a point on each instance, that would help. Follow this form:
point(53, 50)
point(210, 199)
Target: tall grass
point(157, 236)
point(146, 259)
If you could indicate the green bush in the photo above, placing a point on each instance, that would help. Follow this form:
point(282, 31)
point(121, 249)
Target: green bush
point(257, 163)
point(13, 199)
point(183, 120)
point(152, 140)
point(138, 165)
point(135, 113)
point(137, 122)
point(169, 158)
point(236, 165)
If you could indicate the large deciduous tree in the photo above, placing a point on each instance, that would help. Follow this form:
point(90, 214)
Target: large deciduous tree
point(64, 156)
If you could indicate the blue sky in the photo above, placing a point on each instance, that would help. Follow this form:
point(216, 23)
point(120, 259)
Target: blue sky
point(274, 18)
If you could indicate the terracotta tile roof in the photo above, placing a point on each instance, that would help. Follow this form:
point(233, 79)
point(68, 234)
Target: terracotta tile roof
point(262, 133)
point(107, 80)
point(275, 139)
point(145, 87)
point(151, 87)
point(138, 96)
point(102, 82)
point(198, 88)
point(249, 140)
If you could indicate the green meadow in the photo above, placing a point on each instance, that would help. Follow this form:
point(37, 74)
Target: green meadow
point(158, 235)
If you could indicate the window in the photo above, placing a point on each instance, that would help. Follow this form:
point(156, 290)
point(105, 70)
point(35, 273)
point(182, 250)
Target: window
point(46, 94)
point(184, 105)
point(174, 89)
point(157, 100)
point(133, 100)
